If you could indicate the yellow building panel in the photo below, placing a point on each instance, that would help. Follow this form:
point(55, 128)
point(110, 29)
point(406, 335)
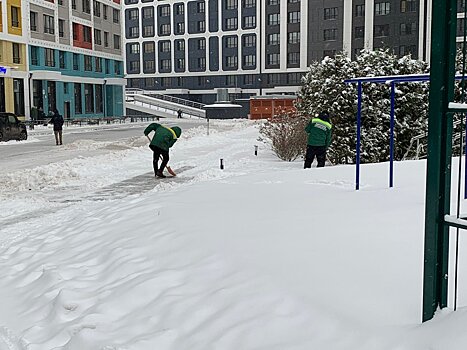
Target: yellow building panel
point(9, 97)
point(1, 18)
point(14, 17)
point(13, 55)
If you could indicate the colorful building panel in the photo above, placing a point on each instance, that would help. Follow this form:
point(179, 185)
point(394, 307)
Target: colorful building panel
point(14, 16)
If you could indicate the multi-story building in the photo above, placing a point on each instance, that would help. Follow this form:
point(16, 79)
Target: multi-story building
point(13, 60)
point(75, 57)
point(190, 48)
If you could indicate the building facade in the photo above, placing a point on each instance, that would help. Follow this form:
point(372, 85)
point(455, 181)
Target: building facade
point(190, 48)
point(13, 58)
point(75, 57)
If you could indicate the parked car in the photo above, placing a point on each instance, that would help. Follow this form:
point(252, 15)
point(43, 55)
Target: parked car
point(11, 128)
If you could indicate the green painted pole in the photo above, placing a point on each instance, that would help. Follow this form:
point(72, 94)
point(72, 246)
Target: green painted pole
point(438, 179)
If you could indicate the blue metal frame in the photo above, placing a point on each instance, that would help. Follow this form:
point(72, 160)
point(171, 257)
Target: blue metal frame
point(394, 79)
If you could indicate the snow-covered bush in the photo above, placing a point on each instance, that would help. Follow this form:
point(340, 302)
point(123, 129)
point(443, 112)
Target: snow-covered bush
point(286, 134)
point(323, 88)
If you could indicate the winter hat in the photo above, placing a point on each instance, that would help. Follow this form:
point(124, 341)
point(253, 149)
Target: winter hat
point(177, 131)
point(324, 115)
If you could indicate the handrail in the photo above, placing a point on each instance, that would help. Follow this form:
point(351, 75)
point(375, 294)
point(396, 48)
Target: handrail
point(168, 106)
point(178, 100)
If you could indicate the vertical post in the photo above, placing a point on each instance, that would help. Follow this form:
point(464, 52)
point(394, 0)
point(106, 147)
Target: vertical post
point(438, 178)
point(359, 126)
point(391, 137)
point(465, 155)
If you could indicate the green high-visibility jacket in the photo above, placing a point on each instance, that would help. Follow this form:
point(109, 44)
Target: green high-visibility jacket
point(164, 137)
point(319, 132)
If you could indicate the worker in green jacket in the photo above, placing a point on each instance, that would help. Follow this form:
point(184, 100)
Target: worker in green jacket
point(319, 132)
point(164, 138)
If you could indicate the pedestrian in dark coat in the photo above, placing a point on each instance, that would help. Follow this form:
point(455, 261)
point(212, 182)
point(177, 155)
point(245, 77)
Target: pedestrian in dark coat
point(164, 138)
point(179, 113)
point(57, 121)
point(319, 132)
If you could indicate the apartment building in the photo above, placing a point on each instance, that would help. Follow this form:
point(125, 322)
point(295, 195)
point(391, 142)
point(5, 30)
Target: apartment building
point(75, 57)
point(13, 58)
point(190, 48)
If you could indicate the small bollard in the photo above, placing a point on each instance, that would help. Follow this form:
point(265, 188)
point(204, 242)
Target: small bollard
point(256, 150)
point(222, 164)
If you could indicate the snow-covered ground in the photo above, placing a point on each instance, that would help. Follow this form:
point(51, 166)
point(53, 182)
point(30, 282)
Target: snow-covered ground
point(97, 254)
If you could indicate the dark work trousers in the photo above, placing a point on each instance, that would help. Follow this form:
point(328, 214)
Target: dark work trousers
point(311, 152)
point(155, 160)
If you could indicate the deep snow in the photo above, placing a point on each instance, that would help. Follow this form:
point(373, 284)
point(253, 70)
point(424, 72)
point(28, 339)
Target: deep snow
point(97, 254)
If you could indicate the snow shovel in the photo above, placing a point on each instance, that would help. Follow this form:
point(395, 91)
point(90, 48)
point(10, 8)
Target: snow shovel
point(169, 169)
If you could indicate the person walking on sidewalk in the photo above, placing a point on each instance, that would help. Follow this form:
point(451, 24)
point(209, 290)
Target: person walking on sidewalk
point(319, 132)
point(164, 138)
point(57, 121)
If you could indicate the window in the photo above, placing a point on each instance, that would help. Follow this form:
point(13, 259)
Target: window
point(61, 59)
point(73, 4)
point(179, 9)
point(329, 53)
point(98, 63)
point(87, 37)
point(330, 34)
point(149, 82)
point(61, 28)
point(148, 12)
point(97, 8)
point(88, 98)
point(134, 48)
point(33, 21)
point(118, 67)
point(75, 61)
point(133, 32)
point(50, 57)
point(231, 4)
point(60, 2)
point(165, 64)
point(407, 50)
point(330, 13)
point(201, 44)
point(294, 17)
point(87, 6)
point(164, 46)
point(149, 65)
point(16, 53)
point(116, 16)
point(294, 37)
point(408, 6)
point(116, 42)
point(200, 7)
point(249, 21)
point(134, 66)
point(87, 63)
point(148, 30)
point(201, 26)
point(359, 32)
point(382, 8)
point(18, 96)
point(249, 40)
point(164, 11)
point(133, 14)
point(381, 30)
point(359, 10)
point(180, 28)
point(166, 81)
point(165, 29)
point(231, 80)
point(274, 39)
point(231, 61)
point(249, 3)
point(273, 59)
point(248, 79)
point(78, 106)
point(105, 11)
point(106, 39)
point(15, 16)
point(231, 23)
point(294, 78)
point(97, 37)
point(249, 60)
point(201, 63)
point(180, 63)
point(293, 1)
point(99, 100)
point(293, 58)
point(107, 66)
point(49, 26)
point(408, 28)
point(273, 2)
point(148, 47)
point(180, 45)
point(273, 19)
point(231, 42)
point(34, 55)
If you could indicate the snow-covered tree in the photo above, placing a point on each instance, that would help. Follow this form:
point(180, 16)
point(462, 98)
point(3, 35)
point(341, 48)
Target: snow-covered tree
point(324, 89)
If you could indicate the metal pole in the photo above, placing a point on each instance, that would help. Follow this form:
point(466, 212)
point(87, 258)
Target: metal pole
point(391, 139)
point(359, 126)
